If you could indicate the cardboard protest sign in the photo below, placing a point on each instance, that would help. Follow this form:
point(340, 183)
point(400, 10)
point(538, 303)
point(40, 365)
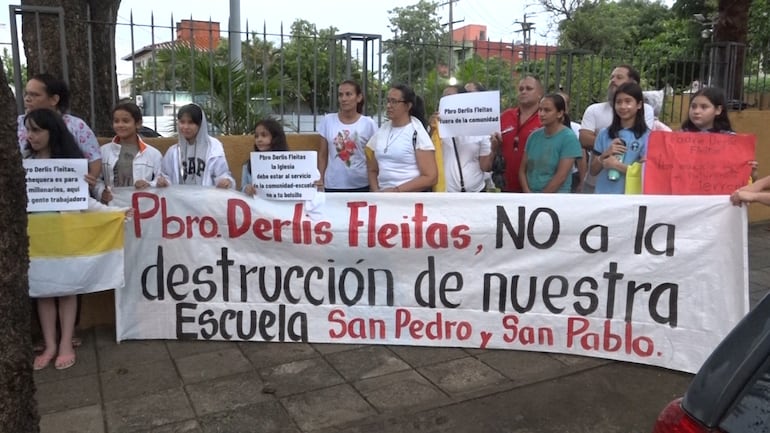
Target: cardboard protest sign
point(694, 163)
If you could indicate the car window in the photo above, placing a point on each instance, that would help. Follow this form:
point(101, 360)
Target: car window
point(751, 412)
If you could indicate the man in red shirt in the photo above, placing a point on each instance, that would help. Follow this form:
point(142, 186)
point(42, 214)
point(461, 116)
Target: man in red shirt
point(516, 124)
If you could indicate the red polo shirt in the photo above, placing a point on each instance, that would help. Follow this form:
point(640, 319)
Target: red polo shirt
point(512, 150)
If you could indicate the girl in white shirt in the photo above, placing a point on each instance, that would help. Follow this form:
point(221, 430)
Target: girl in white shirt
point(127, 161)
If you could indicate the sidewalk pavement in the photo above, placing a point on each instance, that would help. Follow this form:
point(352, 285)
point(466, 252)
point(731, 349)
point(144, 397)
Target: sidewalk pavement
point(172, 386)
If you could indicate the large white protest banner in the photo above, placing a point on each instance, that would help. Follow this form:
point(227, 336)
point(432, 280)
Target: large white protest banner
point(469, 114)
point(56, 184)
point(650, 279)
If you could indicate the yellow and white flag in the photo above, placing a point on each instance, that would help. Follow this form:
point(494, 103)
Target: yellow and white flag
point(71, 253)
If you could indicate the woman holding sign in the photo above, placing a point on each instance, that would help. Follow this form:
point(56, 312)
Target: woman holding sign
point(48, 137)
point(466, 158)
point(198, 158)
point(47, 91)
point(708, 113)
point(268, 137)
point(550, 151)
point(401, 155)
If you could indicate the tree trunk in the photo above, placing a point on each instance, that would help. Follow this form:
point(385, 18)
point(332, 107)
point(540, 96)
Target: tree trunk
point(18, 408)
point(82, 65)
point(729, 49)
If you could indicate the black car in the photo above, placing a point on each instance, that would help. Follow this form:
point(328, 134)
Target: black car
point(731, 391)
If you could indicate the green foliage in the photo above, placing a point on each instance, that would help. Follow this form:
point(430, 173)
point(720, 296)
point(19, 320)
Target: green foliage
point(307, 64)
point(759, 37)
point(685, 9)
point(416, 49)
point(611, 28)
point(756, 84)
point(493, 73)
point(296, 74)
point(8, 66)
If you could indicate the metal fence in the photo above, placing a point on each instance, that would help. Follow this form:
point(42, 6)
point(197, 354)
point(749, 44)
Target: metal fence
point(293, 74)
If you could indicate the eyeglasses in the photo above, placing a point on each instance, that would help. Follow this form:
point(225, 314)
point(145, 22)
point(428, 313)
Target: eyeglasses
point(394, 101)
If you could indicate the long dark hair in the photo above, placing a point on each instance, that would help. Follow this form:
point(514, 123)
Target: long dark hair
point(357, 88)
point(55, 87)
point(418, 105)
point(60, 141)
point(632, 89)
point(716, 96)
point(561, 105)
point(278, 142)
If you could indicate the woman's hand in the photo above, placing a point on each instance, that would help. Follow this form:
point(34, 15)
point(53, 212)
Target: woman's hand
point(90, 180)
point(141, 184)
point(106, 197)
point(739, 196)
point(162, 182)
point(617, 147)
point(250, 190)
point(224, 183)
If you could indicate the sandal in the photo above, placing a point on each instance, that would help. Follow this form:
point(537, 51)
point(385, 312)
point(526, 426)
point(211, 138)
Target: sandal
point(42, 361)
point(39, 347)
point(64, 362)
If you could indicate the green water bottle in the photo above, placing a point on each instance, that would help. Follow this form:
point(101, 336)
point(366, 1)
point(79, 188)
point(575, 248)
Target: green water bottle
point(613, 174)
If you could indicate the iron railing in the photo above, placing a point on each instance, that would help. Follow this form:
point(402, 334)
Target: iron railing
point(294, 75)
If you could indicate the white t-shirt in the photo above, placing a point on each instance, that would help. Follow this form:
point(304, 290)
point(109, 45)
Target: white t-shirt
point(394, 149)
point(469, 149)
point(346, 166)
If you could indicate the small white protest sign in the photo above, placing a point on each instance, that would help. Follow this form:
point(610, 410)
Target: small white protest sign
point(56, 184)
point(469, 114)
point(285, 175)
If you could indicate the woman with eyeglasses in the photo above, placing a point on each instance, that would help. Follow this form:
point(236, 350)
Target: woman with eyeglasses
point(198, 159)
point(401, 155)
point(47, 91)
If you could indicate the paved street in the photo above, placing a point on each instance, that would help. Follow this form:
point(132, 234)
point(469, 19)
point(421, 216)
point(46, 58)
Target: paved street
point(170, 386)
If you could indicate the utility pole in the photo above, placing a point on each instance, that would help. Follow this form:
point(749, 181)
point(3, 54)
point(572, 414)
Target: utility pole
point(234, 33)
point(526, 29)
point(451, 28)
